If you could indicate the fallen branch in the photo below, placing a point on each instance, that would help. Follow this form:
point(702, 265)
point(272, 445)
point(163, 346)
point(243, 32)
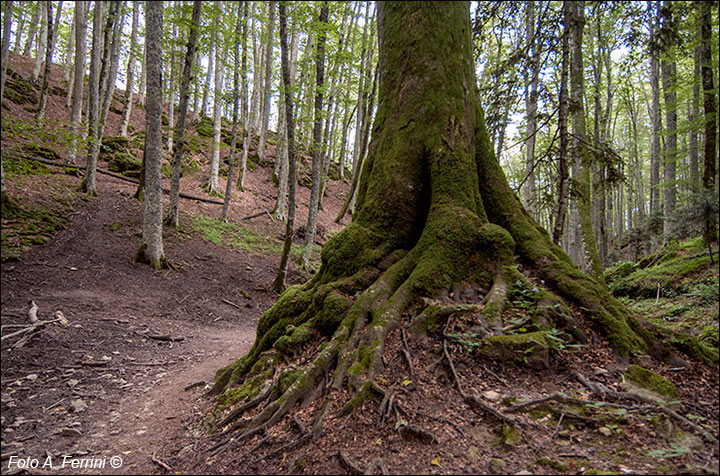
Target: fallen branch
point(231, 304)
point(165, 337)
point(201, 383)
point(255, 215)
point(160, 462)
point(37, 325)
point(121, 177)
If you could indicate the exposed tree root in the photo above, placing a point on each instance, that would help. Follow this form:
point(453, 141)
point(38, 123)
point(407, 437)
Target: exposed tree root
point(603, 390)
point(351, 466)
point(475, 403)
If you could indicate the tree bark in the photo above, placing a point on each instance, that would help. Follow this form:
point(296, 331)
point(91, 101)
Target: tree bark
point(586, 246)
point(531, 99)
point(109, 68)
point(172, 216)
point(357, 165)
point(127, 100)
point(247, 132)
point(267, 90)
point(5, 52)
point(236, 99)
point(317, 165)
point(208, 78)
point(67, 70)
point(656, 118)
point(668, 66)
point(212, 186)
point(710, 233)
point(171, 78)
point(81, 18)
point(22, 18)
point(88, 183)
point(151, 251)
point(50, 42)
point(42, 40)
point(32, 28)
point(563, 175)
point(284, 162)
point(279, 283)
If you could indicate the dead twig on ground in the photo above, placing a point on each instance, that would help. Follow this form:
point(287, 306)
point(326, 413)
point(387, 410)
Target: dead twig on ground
point(160, 462)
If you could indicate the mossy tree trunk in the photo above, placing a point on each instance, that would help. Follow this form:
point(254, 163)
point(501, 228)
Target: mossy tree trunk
point(433, 209)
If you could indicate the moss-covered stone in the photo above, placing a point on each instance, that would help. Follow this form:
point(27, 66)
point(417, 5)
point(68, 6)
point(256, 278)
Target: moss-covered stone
point(125, 164)
point(425, 322)
point(113, 144)
point(19, 90)
point(651, 381)
point(552, 463)
point(42, 152)
point(531, 349)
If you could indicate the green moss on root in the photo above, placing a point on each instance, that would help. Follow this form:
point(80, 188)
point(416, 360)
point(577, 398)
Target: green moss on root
point(651, 381)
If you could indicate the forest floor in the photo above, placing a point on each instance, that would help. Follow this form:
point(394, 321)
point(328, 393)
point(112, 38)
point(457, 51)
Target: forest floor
point(127, 377)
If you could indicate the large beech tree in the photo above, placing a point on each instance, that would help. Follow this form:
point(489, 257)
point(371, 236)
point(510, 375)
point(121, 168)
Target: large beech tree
point(433, 209)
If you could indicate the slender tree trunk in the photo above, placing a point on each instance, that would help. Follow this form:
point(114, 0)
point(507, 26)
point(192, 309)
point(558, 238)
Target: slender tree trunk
point(32, 28)
point(67, 70)
point(257, 75)
point(367, 120)
point(127, 101)
point(151, 250)
point(208, 78)
point(279, 283)
point(586, 245)
point(112, 57)
point(694, 114)
point(531, 99)
point(331, 116)
point(88, 183)
point(172, 216)
point(42, 41)
point(81, 18)
point(710, 233)
point(357, 166)
point(5, 203)
point(656, 118)
point(143, 76)
point(236, 100)
point(667, 66)
point(283, 172)
point(598, 183)
point(247, 128)
point(317, 165)
point(563, 179)
point(197, 81)
point(20, 29)
point(171, 88)
point(4, 54)
point(50, 42)
point(212, 186)
point(267, 90)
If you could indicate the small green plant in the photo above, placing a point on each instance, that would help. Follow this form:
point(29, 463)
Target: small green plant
point(468, 340)
point(672, 452)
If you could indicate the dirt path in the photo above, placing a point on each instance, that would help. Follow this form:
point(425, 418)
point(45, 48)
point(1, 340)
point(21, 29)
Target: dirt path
point(102, 387)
